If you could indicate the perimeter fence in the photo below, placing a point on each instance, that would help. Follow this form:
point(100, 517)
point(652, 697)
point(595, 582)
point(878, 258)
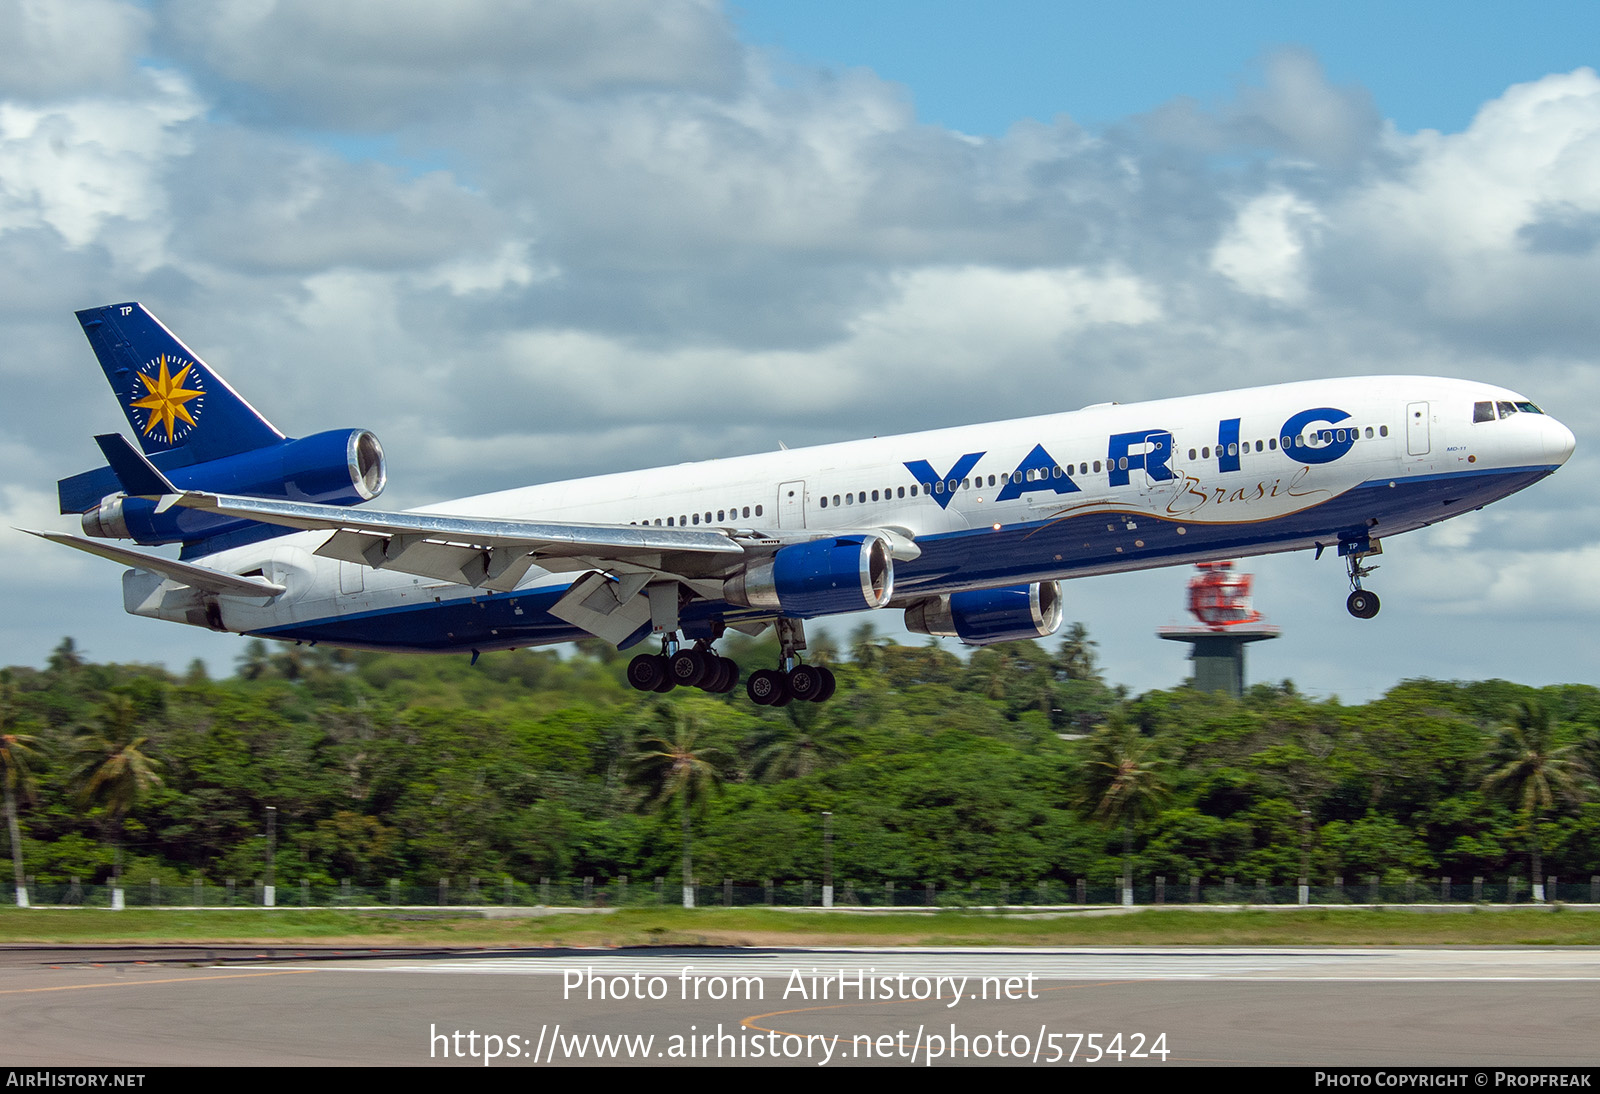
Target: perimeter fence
point(660, 892)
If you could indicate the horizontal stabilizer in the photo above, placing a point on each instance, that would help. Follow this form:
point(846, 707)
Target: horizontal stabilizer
point(185, 573)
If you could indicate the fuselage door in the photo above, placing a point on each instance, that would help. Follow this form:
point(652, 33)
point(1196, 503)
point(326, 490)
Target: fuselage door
point(792, 505)
point(1417, 429)
point(1162, 473)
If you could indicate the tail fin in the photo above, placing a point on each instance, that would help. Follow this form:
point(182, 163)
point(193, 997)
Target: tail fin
point(172, 399)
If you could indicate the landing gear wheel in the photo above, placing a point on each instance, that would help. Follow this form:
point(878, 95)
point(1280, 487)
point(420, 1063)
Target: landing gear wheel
point(829, 686)
point(1362, 604)
point(768, 688)
point(729, 678)
point(805, 683)
point(690, 668)
point(646, 672)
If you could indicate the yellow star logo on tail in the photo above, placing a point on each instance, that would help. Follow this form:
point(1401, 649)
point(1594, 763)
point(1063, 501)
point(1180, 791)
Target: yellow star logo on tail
point(166, 400)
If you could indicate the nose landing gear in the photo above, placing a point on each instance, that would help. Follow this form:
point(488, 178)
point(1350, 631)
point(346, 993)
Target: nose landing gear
point(1360, 603)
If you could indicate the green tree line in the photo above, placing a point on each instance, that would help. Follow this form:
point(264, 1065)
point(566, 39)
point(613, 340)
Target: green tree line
point(1015, 765)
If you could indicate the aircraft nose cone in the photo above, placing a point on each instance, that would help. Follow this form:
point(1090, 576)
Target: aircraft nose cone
point(1558, 442)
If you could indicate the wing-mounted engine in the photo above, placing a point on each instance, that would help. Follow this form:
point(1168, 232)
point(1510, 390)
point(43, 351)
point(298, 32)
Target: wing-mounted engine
point(980, 617)
point(846, 573)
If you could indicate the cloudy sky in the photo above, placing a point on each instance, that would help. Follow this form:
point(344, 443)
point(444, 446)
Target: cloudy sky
point(528, 241)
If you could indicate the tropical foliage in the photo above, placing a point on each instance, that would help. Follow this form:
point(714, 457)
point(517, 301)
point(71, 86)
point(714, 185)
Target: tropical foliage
point(1015, 765)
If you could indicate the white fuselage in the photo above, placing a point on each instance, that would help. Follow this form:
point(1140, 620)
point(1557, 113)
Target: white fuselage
point(1104, 489)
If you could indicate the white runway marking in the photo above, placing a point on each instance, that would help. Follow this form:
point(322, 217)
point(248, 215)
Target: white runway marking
point(1355, 965)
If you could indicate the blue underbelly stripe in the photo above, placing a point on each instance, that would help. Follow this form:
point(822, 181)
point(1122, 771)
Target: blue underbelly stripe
point(1016, 554)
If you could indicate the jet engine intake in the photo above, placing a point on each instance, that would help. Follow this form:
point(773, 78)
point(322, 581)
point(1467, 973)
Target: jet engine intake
point(339, 467)
point(980, 617)
point(838, 574)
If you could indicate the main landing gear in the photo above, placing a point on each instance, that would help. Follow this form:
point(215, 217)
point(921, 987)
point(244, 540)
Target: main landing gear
point(679, 667)
point(792, 681)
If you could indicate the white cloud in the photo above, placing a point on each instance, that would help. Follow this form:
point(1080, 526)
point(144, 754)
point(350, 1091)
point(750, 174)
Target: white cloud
point(67, 47)
point(1263, 251)
point(1449, 229)
point(383, 63)
point(74, 166)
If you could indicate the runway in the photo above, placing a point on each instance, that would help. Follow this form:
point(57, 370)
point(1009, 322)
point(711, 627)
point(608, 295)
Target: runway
point(836, 1007)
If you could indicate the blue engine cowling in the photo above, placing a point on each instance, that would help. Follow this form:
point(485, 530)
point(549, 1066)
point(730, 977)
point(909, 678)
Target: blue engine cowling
point(983, 616)
point(339, 467)
point(837, 574)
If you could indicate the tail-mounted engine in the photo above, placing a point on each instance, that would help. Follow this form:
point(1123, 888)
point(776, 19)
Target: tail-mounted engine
point(340, 467)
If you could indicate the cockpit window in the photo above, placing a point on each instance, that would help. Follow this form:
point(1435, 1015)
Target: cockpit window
point(1529, 408)
point(1506, 409)
point(1482, 412)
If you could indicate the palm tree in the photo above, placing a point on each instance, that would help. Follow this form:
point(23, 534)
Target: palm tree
point(113, 770)
point(670, 768)
point(1076, 658)
point(1122, 784)
point(1532, 772)
point(17, 750)
point(804, 742)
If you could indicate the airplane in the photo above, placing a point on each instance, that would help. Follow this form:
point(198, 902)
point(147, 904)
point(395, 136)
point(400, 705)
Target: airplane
point(969, 531)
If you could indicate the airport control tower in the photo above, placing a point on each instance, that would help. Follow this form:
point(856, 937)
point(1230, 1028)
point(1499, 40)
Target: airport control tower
point(1219, 597)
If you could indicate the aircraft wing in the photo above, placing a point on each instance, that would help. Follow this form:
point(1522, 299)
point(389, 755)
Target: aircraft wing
point(491, 552)
point(184, 573)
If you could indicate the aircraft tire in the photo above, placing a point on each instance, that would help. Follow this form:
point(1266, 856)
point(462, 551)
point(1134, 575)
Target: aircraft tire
point(690, 669)
point(768, 688)
point(1362, 604)
point(730, 675)
point(829, 685)
point(645, 672)
point(805, 683)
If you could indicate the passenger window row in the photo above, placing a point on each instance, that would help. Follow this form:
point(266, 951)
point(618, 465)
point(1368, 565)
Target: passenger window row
point(1310, 440)
point(1043, 474)
point(684, 520)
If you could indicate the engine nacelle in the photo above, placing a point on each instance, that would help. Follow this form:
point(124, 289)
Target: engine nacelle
point(980, 617)
point(839, 574)
point(340, 467)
